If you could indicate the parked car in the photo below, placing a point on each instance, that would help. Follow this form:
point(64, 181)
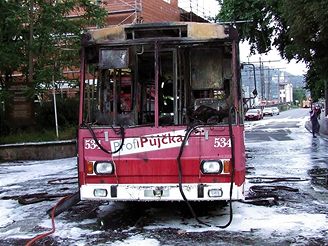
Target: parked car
point(276, 110)
point(268, 111)
point(253, 114)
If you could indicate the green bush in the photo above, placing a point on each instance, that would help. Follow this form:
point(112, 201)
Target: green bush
point(44, 127)
point(32, 135)
point(4, 127)
point(67, 113)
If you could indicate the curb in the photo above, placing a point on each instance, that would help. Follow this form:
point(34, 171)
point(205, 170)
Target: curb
point(38, 151)
point(323, 121)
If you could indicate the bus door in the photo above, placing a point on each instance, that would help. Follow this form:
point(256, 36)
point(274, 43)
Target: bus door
point(158, 86)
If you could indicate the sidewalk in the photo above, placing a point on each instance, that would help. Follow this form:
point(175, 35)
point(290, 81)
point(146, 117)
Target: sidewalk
point(323, 121)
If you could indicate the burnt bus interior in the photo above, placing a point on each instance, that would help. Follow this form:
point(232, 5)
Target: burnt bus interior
point(188, 82)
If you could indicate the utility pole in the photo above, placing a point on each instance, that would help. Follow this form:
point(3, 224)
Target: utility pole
point(262, 80)
point(55, 102)
point(269, 86)
point(326, 97)
point(278, 86)
point(249, 88)
point(190, 10)
point(30, 53)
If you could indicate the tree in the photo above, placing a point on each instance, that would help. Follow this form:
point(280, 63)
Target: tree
point(56, 38)
point(12, 18)
point(299, 94)
point(37, 39)
point(297, 28)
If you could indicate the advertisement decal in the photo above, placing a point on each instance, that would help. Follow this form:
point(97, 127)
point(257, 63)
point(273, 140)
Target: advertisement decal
point(165, 140)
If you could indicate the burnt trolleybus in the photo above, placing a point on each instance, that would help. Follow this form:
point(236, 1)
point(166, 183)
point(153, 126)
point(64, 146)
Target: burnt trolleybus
point(161, 114)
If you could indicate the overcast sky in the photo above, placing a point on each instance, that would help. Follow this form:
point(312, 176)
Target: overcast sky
point(201, 7)
point(272, 59)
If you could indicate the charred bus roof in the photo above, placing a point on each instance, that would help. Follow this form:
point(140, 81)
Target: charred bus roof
point(179, 31)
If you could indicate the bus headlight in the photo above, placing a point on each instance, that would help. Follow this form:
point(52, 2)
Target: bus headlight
point(103, 167)
point(211, 166)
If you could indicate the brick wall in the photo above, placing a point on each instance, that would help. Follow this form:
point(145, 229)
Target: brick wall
point(160, 11)
point(151, 11)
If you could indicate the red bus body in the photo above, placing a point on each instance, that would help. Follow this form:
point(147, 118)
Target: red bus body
point(161, 114)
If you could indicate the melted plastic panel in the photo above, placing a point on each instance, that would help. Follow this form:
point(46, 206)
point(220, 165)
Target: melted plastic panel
point(199, 31)
point(206, 69)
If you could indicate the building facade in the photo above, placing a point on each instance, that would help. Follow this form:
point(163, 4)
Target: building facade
point(286, 93)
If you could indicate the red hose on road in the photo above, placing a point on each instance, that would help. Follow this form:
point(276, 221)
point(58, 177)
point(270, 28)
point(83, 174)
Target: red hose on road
point(36, 238)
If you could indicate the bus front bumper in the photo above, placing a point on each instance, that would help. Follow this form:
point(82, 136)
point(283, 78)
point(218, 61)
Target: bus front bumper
point(161, 192)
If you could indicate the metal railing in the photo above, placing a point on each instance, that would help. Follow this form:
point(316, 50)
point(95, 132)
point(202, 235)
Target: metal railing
point(131, 8)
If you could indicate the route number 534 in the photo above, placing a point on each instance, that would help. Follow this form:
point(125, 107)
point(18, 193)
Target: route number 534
point(222, 142)
point(90, 144)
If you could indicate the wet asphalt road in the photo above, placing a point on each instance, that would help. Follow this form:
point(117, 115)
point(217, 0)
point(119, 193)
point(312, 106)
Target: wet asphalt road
point(286, 172)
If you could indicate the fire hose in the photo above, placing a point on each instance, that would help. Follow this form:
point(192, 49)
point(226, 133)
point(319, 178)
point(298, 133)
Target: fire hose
point(266, 194)
point(187, 134)
point(43, 235)
point(43, 196)
point(35, 197)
